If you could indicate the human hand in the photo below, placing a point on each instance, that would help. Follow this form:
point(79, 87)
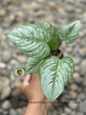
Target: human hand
point(32, 90)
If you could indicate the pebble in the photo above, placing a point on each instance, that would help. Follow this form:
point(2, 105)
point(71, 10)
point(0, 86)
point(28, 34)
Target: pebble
point(13, 62)
point(67, 110)
point(5, 92)
point(81, 34)
point(12, 112)
point(4, 81)
point(82, 106)
point(6, 104)
point(80, 113)
point(73, 105)
point(19, 111)
point(2, 12)
point(82, 52)
point(81, 96)
point(16, 92)
point(17, 84)
point(76, 60)
point(55, 112)
point(73, 94)
point(73, 87)
point(6, 56)
point(83, 67)
point(84, 83)
point(77, 78)
point(2, 65)
point(77, 68)
point(22, 59)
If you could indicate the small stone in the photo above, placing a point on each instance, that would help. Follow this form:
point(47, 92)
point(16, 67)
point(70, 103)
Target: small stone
point(77, 68)
point(82, 106)
point(69, 8)
point(22, 59)
point(73, 105)
point(80, 113)
point(33, 6)
point(5, 92)
point(24, 108)
point(55, 112)
point(16, 92)
point(67, 110)
point(0, 89)
point(83, 67)
point(84, 14)
point(76, 60)
point(73, 94)
point(69, 50)
point(76, 75)
point(81, 34)
point(81, 96)
point(4, 81)
point(13, 100)
point(17, 84)
point(2, 12)
point(63, 114)
point(2, 65)
point(12, 112)
point(10, 8)
point(12, 77)
point(13, 62)
point(74, 87)
point(19, 111)
point(6, 104)
point(5, 112)
point(84, 83)
point(6, 56)
point(77, 78)
point(82, 52)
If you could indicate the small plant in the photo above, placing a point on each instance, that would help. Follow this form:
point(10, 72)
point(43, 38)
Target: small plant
point(38, 43)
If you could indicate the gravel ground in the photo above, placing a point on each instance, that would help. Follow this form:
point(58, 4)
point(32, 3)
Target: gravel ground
point(14, 13)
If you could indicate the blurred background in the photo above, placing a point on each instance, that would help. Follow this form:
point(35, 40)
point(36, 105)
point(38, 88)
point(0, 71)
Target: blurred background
point(14, 13)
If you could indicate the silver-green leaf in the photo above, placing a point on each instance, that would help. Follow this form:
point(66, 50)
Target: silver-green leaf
point(31, 39)
point(54, 74)
point(54, 42)
point(33, 65)
point(69, 33)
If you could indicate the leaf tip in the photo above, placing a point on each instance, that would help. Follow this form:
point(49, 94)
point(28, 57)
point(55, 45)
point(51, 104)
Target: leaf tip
point(6, 34)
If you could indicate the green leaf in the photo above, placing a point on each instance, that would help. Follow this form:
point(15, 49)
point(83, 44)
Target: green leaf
point(69, 33)
point(33, 65)
point(55, 42)
point(54, 74)
point(31, 39)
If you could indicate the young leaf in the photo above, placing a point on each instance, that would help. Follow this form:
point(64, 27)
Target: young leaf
point(54, 74)
point(69, 33)
point(33, 65)
point(31, 39)
point(55, 42)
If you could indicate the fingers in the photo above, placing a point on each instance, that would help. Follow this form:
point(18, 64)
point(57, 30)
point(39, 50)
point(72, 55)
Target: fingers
point(27, 80)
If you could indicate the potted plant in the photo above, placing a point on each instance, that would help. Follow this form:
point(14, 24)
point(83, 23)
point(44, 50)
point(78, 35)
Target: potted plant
point(42, 44)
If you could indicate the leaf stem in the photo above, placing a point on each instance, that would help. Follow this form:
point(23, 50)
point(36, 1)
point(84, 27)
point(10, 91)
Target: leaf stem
point(60, 55)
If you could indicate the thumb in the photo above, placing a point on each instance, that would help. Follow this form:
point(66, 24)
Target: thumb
point(27, 79)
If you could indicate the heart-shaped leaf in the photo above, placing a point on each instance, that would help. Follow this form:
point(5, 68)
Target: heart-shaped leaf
point(54, 74)
point(31, 39)
point(33, 65)
point(69, 33)
point(55, 42)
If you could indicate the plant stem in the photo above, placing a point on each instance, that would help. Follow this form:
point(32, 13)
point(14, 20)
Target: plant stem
point(61, 53)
